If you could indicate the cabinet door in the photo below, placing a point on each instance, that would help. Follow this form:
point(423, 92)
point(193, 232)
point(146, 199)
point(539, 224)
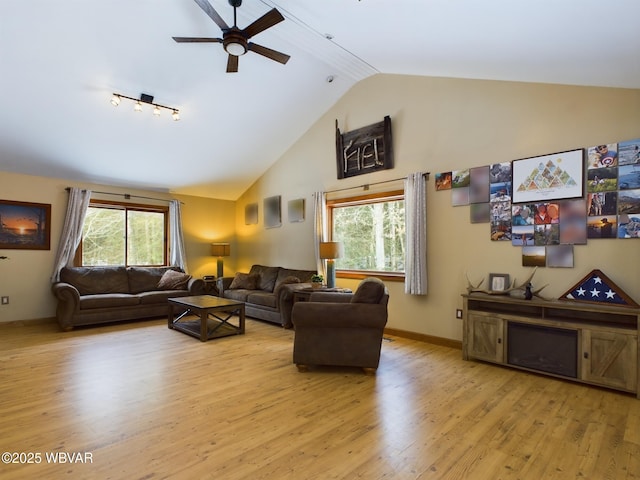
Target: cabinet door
point(486, 338)
point(610, 359)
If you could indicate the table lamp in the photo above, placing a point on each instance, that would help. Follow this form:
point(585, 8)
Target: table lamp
point(220, 250)
point(329, 251)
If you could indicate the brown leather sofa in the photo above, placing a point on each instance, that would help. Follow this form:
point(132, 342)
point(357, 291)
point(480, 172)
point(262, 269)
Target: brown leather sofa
point(94, 295)
point(341, 329)
point(267, 292)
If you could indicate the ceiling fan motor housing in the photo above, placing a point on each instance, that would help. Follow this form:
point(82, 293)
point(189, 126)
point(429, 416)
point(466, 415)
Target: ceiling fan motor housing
point(234, 42)
point(235, 3)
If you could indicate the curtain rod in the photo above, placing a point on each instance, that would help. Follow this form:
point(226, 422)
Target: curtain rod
point(367, 185)
point(127, 196)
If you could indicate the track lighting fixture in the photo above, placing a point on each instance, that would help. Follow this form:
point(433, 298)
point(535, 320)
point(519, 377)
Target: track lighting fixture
point(148, 99)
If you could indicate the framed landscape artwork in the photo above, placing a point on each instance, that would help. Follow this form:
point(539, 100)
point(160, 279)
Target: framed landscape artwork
point(549, 177)
point(25, 225)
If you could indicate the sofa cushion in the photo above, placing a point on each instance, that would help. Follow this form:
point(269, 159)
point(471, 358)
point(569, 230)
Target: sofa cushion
point(96, 280)
point(262, 298)
point(285, 275)
point(145, 279)
point(370, 290)
point(239, 295)
point(108, 300)
point(245, 281)
point(160, 296)
point(172, 280)
point(268, 275)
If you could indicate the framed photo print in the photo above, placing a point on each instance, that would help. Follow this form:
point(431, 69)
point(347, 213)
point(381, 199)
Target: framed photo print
point(25, 225)
point(498, 282)
point(272, 213)
point(549, 177)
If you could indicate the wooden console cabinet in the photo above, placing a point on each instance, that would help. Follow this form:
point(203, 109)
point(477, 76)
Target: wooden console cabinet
point(603, 338)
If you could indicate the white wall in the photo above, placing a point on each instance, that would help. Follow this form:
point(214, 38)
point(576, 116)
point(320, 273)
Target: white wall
point(441, 124)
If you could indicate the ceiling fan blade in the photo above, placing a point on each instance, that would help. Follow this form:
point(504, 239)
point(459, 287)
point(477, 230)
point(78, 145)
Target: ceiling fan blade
point(197, 40)
point(209, 10)
point(232, 64)
point(269, 53)
point(268, 20)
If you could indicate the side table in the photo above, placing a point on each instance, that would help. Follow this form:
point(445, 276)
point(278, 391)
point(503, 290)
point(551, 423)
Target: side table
point(211, 286)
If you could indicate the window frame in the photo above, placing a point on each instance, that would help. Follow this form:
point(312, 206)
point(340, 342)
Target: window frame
point(378, 197)
point(136, 207)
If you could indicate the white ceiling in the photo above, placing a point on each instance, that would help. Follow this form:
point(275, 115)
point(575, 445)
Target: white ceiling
point(61, 60)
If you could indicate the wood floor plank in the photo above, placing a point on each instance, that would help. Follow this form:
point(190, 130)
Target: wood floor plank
point(144, 401)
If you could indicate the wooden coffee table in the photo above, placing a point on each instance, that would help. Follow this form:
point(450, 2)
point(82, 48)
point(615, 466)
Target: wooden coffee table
point(209, 323)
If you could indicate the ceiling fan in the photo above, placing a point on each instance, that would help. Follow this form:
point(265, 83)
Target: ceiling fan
point(235, 40)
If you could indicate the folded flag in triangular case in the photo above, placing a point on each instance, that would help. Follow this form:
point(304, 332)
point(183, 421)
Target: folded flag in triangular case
point(597, 287)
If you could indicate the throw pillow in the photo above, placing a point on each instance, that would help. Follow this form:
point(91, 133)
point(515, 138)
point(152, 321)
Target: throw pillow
point(244, 281)
point(370, 290)
point(172, 280)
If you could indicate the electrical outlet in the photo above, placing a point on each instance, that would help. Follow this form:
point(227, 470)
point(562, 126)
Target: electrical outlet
point(5, 301)
point(458, 313)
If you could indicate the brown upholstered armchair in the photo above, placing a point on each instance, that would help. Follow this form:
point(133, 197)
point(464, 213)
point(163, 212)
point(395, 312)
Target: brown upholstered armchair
point(340, 328)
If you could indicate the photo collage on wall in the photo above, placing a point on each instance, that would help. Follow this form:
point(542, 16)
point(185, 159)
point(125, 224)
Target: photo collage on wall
point(547, 204)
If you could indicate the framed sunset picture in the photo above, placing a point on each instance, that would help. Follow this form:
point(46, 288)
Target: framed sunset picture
point(25, 225)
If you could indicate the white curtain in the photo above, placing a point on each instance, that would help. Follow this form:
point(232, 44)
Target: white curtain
point(319, 228)
point(177, 254)
point(71, 231)
point(415, 208)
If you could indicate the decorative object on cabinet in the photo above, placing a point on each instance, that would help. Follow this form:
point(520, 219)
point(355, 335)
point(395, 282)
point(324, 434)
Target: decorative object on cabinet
point(364, 150)
point(596, 287)
point(499, 285)
point(499, 282)
point(25, 225)
point(220, 250)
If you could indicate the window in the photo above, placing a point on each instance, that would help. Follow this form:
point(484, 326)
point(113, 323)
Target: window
point(372, 231)
point(123, 234)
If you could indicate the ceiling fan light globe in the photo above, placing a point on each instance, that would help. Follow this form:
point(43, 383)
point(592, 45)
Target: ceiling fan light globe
point(235, 48)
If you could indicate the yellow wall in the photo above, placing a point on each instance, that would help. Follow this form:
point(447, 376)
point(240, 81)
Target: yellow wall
point(438, 125)
point(24, 276)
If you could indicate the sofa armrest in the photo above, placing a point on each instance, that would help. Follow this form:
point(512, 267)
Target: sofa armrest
point(68, 303)
point(196, 286)
point(339, 315)
point(284, 300)
point(223, 283)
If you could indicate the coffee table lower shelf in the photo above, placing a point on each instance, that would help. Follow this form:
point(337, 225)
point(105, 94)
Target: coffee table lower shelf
point(213, 316)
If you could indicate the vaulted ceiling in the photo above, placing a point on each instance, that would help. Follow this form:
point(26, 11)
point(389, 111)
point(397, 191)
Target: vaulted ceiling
point(60, 62)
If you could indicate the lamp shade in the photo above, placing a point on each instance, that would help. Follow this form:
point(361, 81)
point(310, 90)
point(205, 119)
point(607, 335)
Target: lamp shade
point(330, 250)
point(220, 249)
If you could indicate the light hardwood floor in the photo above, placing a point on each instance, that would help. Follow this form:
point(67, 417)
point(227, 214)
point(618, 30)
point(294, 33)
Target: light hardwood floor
point(146, 402)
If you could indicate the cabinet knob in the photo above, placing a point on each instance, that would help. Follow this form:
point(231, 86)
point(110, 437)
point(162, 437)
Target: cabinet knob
point(586, 355)
point(499, 340)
